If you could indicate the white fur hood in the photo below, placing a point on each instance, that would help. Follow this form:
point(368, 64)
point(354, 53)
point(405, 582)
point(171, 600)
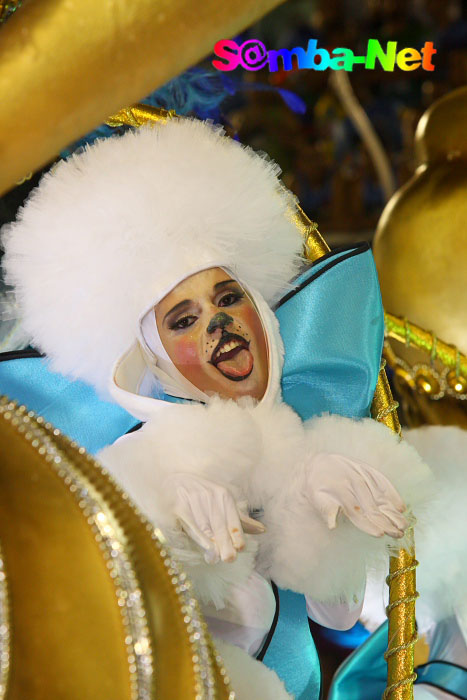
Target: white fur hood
point(108, 231)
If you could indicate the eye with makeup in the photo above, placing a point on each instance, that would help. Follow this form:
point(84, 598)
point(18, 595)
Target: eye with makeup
point(182, 323)
point(231, 297)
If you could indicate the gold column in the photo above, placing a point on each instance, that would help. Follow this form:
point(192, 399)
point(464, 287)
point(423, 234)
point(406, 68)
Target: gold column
point(402, 633)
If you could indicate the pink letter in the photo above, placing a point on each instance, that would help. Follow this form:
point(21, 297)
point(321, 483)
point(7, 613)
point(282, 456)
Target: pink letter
point(226, 49)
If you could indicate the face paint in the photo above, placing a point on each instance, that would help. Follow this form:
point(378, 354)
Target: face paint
point(213, 334)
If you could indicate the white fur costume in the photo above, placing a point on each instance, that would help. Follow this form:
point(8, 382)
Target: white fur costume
point(102, 239)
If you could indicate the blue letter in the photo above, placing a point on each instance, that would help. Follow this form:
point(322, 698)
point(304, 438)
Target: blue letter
point(311, 54)
point(286, 56)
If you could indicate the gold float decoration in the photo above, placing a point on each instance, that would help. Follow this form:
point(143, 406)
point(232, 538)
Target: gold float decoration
point(85, 566)
point(420, 251)
point(65, 65)
point(420, 246)
point(446, 375)
point(7, 7)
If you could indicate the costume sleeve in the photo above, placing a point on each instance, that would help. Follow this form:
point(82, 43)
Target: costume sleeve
point(215, 442)
point(218, 442)
point(337, 616)
point(299, 550)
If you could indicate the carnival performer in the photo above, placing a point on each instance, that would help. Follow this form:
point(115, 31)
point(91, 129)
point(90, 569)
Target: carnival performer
point(147, 266)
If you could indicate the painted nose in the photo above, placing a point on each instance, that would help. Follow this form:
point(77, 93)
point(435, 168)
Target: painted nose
point(220, 320)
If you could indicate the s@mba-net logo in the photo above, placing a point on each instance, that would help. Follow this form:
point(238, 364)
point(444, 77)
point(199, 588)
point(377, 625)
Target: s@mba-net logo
point(253, 55)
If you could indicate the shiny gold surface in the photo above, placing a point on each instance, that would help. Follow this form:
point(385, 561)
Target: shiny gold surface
point(427, 366)
point(65, 65)
point(401, 580)
point(140, 114)
point(420, 246)
point(384, 408)
point(441, 133)
point(408, 333)
point(69, 631)
point(7, 7)
point(402, 633)
point(315, 245)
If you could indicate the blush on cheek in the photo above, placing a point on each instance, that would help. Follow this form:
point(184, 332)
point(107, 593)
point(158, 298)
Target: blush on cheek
point(186, 352)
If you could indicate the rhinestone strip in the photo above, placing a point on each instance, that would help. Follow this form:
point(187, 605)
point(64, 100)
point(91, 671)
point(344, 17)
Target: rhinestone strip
point(113, 543)
point(4, 630)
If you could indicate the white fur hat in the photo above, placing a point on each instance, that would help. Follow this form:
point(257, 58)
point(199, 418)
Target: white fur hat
point(110, 231)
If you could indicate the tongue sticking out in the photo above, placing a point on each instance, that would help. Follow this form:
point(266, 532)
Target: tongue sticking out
point(237, 367)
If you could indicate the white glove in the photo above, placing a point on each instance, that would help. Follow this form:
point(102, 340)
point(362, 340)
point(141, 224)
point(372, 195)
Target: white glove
point(209, 515)
point(364, 495)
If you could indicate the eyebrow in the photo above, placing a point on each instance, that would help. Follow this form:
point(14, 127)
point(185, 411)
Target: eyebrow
point(178, 307)
point(224, 283)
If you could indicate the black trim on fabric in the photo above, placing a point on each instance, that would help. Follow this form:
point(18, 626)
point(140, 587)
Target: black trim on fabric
point(448, 692)
point(267, 641)
point(434, 662)
point(134, 428)
point(353, 250)
point(445, 663)
point(19, 355)
point(339, 249)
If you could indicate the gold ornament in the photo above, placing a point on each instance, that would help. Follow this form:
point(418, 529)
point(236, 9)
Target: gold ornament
point(426, 380)
point(457, 383)
point(92, 603)
point(65, 65)
point(7, 8)
point(420, 245)
point(420, 251)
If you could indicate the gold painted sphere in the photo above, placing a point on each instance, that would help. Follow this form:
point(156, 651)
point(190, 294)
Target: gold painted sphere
point(420, 245)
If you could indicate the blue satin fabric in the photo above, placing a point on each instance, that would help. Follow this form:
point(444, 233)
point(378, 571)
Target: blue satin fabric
point(446, 676)
point(292, 653)
point(71, 406)
point(333, 330)
point(362, 676)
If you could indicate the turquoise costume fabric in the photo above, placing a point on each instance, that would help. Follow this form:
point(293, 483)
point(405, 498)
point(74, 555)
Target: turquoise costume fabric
point(71, 406)
point(362, 676)
point(332, 326)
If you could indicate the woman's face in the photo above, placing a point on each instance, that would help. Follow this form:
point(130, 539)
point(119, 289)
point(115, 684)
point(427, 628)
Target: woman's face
point(213, 334)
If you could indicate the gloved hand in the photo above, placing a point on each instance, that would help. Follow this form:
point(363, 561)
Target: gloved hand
point(209, 515)
point(364, 495)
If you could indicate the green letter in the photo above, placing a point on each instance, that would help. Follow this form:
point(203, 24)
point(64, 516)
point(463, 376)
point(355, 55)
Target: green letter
point(374, 51)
